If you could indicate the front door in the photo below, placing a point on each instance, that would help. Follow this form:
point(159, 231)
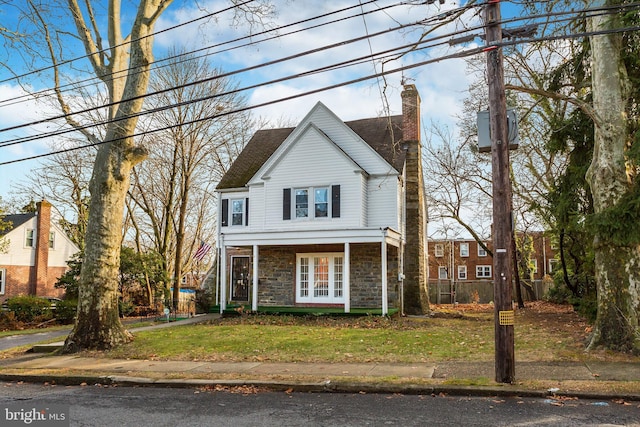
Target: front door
point(240, 278)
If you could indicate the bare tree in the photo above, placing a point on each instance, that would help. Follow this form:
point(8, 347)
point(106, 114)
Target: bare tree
point(121, 61)
point(174, 188)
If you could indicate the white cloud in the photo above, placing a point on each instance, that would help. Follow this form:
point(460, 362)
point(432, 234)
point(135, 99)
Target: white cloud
point(442, 85)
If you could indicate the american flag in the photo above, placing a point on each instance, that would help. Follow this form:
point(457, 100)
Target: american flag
point(202, 250)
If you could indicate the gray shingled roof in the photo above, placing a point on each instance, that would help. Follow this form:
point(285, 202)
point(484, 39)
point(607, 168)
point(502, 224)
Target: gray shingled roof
point(16, 220)
point(375, 131)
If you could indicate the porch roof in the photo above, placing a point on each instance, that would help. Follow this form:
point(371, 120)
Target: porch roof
point(311, 237)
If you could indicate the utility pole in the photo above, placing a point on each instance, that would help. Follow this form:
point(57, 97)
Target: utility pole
point(502, 217)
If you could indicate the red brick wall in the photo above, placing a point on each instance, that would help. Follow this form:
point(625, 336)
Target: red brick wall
point(18, 279)
point(42, 273)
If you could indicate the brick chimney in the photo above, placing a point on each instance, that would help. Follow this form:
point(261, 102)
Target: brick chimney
point(43, 224)
point(415, 296)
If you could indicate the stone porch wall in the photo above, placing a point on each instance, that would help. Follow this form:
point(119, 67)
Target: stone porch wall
point(277, 281)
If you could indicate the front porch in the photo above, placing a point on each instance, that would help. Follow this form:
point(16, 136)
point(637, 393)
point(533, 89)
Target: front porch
point(340, 272)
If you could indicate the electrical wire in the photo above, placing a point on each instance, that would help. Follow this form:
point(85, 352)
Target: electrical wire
point(127, 72)
point(378, 74)
point(50, 119)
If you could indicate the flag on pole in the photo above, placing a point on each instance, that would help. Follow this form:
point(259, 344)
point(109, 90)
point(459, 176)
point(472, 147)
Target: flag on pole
point(202, 250)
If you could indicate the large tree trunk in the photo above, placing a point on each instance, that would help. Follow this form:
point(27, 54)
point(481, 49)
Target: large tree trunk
point(98, 324)
point(617, 265)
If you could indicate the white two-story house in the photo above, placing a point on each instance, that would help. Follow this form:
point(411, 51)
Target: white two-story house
point(316, 215)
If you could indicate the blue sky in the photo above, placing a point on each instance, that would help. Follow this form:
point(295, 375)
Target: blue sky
point(442, 85)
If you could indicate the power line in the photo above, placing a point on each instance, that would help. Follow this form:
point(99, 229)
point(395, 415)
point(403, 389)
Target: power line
point(105, 50)
point(50, 119)
point(461, 54)
point(74, 85)
point(322, 69)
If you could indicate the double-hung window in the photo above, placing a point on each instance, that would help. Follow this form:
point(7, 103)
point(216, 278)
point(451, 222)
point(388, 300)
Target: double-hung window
point(464, 249)
point(302, 203)
point(320, 278)
point(234, 212)
point(439, 250)
point(3, 279)
point(481, 250)
point(237, 212)
point(442, 272)
point(321, 202)
point(462, 272)
point(29, 239)
point(483, 271)
point(311, 202)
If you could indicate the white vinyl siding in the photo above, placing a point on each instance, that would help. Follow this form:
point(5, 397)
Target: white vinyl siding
point(308, 165)
point(320, 278)
point(321, 152)
point(383, 206)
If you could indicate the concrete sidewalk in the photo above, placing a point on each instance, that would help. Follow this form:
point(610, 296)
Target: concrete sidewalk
point(427, 378)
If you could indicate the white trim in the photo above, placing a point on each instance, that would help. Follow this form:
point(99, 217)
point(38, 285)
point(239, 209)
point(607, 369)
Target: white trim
point(254, 287)
point(385, 297)
point(310, 236)
point(481, 251)
point(438, 250)
point(3, 280)
point(346, 278)
point(33, 237)
point(223, 276)
point(462, 268)
point(483, 274)
point(310, 298)
point(466, 252)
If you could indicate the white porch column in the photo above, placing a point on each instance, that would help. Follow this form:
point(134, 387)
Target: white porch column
point(254, 287)
point(385, 297)
point(346, 278)
point(223, 276)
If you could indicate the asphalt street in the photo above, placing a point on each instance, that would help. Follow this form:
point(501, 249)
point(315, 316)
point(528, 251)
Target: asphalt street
point(247, 406)
point(18, 340)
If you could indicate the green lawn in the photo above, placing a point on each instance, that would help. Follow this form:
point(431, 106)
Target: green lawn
point(366, 339)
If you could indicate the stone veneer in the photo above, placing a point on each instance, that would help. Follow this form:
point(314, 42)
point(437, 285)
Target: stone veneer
point(277, 266)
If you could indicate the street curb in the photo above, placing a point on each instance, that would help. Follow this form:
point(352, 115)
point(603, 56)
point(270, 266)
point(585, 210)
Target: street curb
point(316, 387)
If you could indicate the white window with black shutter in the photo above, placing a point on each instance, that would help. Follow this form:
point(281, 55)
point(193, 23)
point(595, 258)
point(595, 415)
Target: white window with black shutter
point(234, 212)
point(311, 202)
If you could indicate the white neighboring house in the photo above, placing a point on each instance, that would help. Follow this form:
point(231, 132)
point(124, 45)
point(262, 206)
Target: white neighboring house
point(315, 215)
point(36, 256)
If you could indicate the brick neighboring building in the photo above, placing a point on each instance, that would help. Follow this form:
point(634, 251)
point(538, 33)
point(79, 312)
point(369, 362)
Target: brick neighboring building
point(462, 267)
point(36, 256)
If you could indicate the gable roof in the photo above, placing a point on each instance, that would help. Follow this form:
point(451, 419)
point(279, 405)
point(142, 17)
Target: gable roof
point(16, 220)
point(383, 134)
